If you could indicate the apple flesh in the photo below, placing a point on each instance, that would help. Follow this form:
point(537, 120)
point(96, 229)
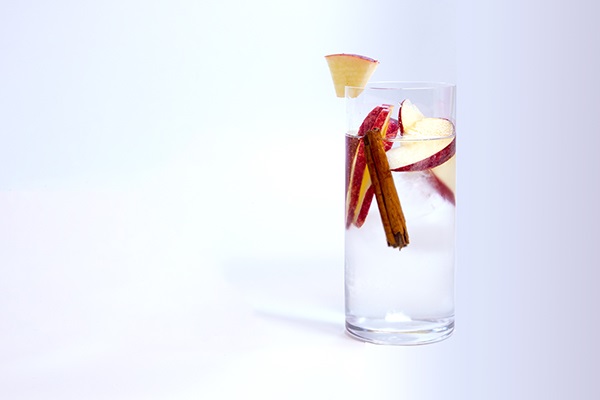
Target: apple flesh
point(420, 156)
point(408, 115)
point(427, 144)
point(390, 133)
point(446, 178)
point(350, 70)
point(359, 193)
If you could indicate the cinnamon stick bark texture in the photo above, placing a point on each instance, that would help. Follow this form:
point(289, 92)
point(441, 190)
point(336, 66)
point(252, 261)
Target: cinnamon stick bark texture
point(388, 201)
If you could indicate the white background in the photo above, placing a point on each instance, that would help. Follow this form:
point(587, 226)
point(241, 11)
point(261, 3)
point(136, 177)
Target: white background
point(171, 178)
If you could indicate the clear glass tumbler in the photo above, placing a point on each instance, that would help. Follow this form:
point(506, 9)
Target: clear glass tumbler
point(400, 212)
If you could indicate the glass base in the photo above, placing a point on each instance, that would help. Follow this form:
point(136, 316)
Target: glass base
point(412, 332)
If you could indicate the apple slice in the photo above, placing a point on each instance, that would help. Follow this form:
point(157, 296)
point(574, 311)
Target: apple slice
point(433, 148)
point(429, 128)
point(441, 188)
point(359, 193)
point(429, 143)
point(359, 180)
point(426, 142)
point(419, 156)
point(409, 115)
point(446, 173)
point(390, 133)
point(446, 177)
point(350, 70)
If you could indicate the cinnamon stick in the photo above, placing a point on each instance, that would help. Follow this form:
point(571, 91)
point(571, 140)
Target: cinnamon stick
point(388, 201)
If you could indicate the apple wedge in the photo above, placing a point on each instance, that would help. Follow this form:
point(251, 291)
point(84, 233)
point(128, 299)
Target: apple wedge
point(426, 142)
point(446, 177)
point(363, 211)
point(419, 156)
point(359, 193)
point(440, 187)
point(350, 70)
point(408, 115)
point(358, 176)
point(429, 143)
point(446, 173)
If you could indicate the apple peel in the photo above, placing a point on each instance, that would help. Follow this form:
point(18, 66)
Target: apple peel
point(426, 142)
point(408, 115)
point(420, 156)
point(390, 133)
point(446, 179)
point(359, 193)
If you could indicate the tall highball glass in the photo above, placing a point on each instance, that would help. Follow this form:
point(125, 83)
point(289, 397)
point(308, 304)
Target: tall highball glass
point(400, 212)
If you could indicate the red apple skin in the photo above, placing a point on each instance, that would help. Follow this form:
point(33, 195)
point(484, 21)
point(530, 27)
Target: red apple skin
point(353, 55)
point(366, 205)
point(391, 133)
point(351, 152)
point(400, 126)
point(375, 119)
point(443, 189)
point(433, 161)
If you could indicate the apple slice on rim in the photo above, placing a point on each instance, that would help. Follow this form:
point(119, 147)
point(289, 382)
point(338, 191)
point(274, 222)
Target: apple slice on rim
point(350, 70)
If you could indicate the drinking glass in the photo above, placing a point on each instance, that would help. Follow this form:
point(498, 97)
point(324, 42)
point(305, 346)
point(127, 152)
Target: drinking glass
point(399, 286)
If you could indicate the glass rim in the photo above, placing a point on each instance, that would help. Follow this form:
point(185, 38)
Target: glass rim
point(404, 85)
